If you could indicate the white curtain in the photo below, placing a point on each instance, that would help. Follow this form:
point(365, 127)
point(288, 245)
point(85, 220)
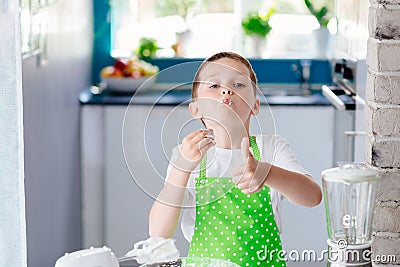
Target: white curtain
point(12, 197)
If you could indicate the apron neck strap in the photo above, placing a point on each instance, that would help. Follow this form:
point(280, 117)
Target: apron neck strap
point(254, 148)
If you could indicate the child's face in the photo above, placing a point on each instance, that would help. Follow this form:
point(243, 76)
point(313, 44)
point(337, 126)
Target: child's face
point(225, 94)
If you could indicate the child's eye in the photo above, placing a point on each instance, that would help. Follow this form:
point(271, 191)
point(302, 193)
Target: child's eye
point(239, 85)
point(214, 85)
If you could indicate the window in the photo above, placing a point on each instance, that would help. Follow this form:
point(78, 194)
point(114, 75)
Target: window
point(203, 27)
point(34, 16)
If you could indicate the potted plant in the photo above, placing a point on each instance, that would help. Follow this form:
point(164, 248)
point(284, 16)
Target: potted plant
point(321, 35)
point(257, 27)
point(147, 48)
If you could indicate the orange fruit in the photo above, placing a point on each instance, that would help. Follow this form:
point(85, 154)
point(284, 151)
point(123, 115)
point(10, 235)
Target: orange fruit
point(107, 71)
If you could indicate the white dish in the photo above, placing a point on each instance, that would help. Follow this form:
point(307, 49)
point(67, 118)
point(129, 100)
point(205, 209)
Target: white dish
point(88, 257)
point(127, 84)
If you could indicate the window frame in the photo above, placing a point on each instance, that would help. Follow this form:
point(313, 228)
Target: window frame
point(101, 55)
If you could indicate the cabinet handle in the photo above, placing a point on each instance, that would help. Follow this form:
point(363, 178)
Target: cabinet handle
point(331, 96)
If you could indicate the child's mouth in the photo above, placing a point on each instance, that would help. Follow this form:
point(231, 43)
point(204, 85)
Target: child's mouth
point(227, 101)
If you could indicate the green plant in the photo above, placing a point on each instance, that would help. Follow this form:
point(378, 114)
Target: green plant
point(320, 14)
point(147, 48)
point(257, 24)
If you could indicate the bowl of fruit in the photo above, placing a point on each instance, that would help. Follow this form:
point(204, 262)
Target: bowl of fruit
point(128, 75)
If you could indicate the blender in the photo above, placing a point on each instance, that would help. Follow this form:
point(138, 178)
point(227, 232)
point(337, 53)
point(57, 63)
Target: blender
point(349, 197)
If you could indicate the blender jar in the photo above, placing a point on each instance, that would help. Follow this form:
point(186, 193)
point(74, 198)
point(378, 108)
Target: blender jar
point(349, 196)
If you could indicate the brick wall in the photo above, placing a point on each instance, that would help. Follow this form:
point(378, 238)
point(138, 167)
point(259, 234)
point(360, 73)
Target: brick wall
point(383, 123)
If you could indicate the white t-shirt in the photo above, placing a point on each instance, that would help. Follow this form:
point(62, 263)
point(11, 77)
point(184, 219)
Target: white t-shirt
point(273, 149)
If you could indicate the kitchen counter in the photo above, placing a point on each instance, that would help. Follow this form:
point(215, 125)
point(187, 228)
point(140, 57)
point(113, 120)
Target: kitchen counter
point(179, 96)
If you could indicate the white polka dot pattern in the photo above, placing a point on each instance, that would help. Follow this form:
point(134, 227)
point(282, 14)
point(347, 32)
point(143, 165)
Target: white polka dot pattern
point(241, 227)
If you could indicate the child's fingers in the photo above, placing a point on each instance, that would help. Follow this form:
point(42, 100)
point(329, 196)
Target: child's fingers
point(242, 184)
point(200, 136)
point(192, 134)
point(250, 185)
point(242, 180)
point(195, 133)
point(247, 189)
point(236, 179)
point(203, 142)
point(206, 146)
point(197, 138)
point(238, 170)
point(254, 186)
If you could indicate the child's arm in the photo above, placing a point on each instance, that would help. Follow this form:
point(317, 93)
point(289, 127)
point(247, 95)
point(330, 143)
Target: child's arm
point(252, 176)
point(298, 188)
point(164, 214)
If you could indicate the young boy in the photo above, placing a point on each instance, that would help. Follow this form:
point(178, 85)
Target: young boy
point(236, 191)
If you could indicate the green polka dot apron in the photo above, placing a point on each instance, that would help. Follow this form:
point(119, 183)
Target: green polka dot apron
point(234, 226)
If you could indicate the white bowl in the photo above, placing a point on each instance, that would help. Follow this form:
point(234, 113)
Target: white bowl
point(89, 258)
point(127, 84)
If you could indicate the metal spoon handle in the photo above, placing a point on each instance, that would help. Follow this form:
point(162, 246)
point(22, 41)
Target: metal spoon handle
point(126, 258)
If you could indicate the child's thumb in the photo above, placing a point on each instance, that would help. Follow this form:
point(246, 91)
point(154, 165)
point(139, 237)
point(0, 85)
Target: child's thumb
point(245, 148)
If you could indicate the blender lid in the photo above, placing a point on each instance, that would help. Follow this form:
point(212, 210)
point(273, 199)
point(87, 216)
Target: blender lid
point(351, 173)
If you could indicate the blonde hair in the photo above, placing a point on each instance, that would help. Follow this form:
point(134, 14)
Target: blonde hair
point(215, 57)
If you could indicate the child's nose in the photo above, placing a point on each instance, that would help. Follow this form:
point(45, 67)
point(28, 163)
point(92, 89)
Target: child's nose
point(226, 92)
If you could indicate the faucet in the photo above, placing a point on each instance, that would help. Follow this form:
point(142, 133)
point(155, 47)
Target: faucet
point(303, 71)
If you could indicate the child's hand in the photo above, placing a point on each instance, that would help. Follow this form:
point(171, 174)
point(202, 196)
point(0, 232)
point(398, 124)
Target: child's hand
point(193, 147)
point(250, 175)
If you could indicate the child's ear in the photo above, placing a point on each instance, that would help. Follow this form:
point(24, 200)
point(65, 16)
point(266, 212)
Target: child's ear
point(256, 107)
point(194, 109)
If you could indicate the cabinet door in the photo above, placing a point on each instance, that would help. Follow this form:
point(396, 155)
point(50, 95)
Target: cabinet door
point(92, 171)
point(137, 155)
point(309, 131)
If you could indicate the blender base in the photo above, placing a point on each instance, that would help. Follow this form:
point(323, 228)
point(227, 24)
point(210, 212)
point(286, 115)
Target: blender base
point(340, 255)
